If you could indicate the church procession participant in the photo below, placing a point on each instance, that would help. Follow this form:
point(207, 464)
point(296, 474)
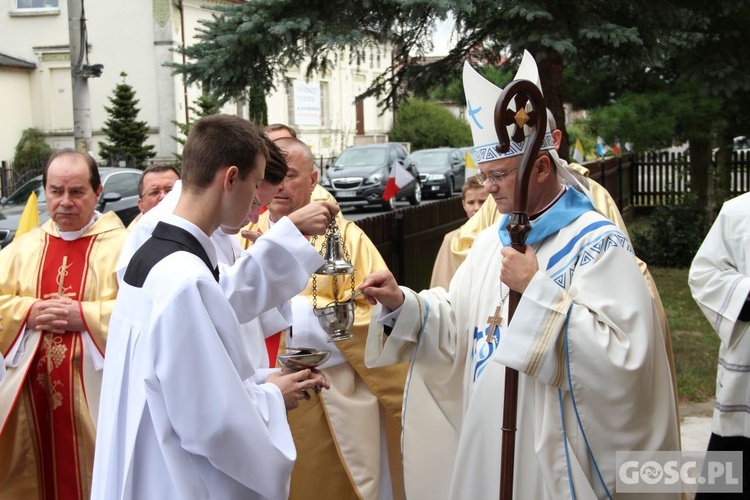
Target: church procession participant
point(278, 131)
point(473, 196)
point(57, 291)
point(487, 215)
point(719, 281)
point(155, 183)
point(263, 277)
point(347, 438)
point(593, 372)
point(167, 429)
point(228, 250)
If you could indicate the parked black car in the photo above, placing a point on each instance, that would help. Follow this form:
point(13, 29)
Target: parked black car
point(119, 194)
point(441, 170)
point(359, 175)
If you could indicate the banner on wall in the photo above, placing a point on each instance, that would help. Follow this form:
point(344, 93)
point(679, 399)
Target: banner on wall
point(307, 103)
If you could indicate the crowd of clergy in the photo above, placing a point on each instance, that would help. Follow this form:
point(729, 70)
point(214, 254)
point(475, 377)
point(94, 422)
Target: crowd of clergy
point(141, 362)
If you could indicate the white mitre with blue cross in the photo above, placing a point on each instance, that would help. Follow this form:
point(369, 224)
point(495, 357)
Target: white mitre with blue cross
point(481, 97)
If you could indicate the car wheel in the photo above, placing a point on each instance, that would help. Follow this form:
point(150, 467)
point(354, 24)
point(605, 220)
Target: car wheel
point(389, 205)
point(416, 197)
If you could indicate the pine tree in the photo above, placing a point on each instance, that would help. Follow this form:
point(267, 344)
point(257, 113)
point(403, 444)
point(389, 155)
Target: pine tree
point(126, 136)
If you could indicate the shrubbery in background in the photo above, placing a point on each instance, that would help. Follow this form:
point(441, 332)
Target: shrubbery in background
point(428, 125)
point(32, 151)
point(671, 237)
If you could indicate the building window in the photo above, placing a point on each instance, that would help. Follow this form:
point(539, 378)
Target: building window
point(36, 5)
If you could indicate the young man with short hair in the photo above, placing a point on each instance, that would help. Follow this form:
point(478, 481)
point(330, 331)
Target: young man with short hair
point(182, 416)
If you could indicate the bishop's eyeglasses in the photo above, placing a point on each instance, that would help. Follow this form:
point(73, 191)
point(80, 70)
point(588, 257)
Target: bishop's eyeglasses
point(494, 178)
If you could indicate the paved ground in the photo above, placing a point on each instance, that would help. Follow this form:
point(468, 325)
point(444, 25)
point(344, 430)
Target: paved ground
point(695, 428)
point(695, 425)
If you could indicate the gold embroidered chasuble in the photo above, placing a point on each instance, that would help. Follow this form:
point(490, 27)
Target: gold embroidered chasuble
point(49, 399)
point(336, 430)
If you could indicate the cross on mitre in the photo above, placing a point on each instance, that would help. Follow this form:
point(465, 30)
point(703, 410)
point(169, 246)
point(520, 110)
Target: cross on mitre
point(518, 119)
point(494, 322)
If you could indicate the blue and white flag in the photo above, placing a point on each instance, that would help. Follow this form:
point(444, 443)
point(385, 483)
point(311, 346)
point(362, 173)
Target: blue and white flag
point(601, 148)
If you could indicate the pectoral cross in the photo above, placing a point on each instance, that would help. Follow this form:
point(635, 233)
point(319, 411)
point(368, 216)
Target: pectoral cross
point(62, 290)
point(495, 322)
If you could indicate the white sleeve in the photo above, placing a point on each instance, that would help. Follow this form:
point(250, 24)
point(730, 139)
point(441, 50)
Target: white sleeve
point(275, 320)
point(270, 272)
point(217, 410)
point(716, 276)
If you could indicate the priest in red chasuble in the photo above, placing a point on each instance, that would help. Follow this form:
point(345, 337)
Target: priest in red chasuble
point(57, 289)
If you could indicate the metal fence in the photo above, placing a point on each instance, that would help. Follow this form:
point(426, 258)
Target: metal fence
point(12, 178)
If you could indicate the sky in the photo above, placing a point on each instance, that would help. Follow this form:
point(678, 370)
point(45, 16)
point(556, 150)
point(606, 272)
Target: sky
point(443, 37)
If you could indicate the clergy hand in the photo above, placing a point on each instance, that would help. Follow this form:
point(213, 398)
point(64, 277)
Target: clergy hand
point(250, 235)
point(294, 385)
point(314, 218)
point(381, 286)
point(49, 315)
point(518, 268)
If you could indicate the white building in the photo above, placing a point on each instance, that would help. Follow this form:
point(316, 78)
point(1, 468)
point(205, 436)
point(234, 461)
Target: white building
point(137, 37)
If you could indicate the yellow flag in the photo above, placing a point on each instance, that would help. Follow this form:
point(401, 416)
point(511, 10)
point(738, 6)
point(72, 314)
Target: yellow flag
point(29, 218)
point(471, 167)
point(578, 152)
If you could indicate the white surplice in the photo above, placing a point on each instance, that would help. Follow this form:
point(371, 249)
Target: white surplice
point(720, 282)
point(266, 275)
point(586, 322)
point(255, 331)
point(181, 415)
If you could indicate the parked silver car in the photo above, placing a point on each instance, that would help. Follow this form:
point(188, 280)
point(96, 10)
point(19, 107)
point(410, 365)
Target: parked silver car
point(441, 170)
point(119, 194)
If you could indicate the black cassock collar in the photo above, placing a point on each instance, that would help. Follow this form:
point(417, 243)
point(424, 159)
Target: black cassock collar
point(165, 240)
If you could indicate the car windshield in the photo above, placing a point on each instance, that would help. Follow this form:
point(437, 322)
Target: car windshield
point(361, 157)
point(21, 195)
point(430, 158)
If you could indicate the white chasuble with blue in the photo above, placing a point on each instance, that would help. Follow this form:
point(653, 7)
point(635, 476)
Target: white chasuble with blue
point(593, 372)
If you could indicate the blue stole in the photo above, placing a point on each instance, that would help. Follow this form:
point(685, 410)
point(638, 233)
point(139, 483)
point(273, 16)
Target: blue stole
point(571, 205)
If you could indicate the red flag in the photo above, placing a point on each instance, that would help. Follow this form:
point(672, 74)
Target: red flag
point(399, 178)
point(616, 148)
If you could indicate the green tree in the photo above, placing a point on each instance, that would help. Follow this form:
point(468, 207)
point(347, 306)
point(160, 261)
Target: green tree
point(589, 52)
point(694, 92)
point(241, 52)
point(429, 125)
point(32, 150)
point(246, 47)
point(126, 136)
